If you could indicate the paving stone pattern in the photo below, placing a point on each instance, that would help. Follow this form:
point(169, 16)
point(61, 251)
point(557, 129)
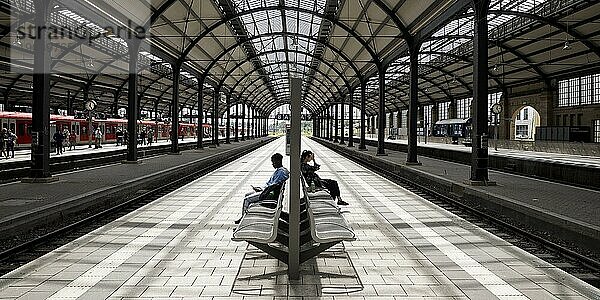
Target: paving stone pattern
point(180, 247)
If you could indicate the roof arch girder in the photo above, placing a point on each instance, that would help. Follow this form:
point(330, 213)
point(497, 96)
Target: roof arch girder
point(278, 8)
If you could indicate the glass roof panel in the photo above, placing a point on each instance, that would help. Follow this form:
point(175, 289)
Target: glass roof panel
point(271, 21)
point(459, 31)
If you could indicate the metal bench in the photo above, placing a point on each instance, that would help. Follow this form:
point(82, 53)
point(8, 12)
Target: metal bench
point(260, 223)
point(327, 225)
point(321, 226)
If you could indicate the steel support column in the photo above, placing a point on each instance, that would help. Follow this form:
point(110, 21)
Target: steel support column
point(40, 146)
point(363, 115)
point(175, 110)
point(336, 124)
point(479, 156)
point(132, 101)
point(237, 123)
point(200, 138)
point(248, 136)
point(411, 158)
point(351, 120)
point(243, 123)
point(228, 124)
point(381, 115)
point(343, 119)
point(215, 118)
point(329, 123)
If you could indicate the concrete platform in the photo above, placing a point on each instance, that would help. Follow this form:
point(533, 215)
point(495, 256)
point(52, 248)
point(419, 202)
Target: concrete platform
point(24, 206)
point(567, 211)
point(25, 154)
point(583, 171)
point(180, 247)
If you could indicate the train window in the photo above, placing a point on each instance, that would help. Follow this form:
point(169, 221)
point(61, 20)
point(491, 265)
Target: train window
point(29, 130)
point(84, 130)
point(12, 127)
point(20, 129)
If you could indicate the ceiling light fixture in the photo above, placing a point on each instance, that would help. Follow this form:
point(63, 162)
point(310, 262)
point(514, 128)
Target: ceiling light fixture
point(567, 46)
point(17, 41)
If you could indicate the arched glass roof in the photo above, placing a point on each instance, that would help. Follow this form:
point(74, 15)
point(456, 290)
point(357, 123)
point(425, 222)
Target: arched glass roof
point(249, 49)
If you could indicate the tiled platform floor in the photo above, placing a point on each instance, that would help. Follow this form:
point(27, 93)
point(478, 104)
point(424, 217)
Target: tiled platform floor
point(179, 248)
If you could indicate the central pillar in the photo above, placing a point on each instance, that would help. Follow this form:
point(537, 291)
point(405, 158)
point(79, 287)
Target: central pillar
point(411, 158)
point(381, 116)
point(479, 151)
point(294, 184)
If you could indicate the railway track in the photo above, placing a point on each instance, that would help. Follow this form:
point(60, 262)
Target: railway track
point(557, 253)
point(23, 253)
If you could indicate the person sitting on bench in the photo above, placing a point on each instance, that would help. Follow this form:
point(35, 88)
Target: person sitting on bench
point(271, 189)
point(309, 173)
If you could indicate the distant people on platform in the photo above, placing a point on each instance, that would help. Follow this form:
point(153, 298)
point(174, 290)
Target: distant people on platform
point(142, 137)
point(98, 138)
point(119, 135)
point(58, 138)
point(309, 173)
point(125, 137)
point(72, 140)
point(66, 135)
point(271, 189)
point(150, 137)
point(11, 141)
point(3, 139)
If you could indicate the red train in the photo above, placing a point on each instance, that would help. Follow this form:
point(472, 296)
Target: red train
point(20, 124)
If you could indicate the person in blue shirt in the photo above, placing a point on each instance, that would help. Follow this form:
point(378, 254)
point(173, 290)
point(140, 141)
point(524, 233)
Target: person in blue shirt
point(280, 175)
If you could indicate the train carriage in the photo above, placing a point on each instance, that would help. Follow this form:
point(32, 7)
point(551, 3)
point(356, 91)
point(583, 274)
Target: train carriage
point(20, 124)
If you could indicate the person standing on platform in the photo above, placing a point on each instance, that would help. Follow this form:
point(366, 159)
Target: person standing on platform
point(3, 137)
point(125, 137)
point(72, 140)
point(309, 173)
point(98, 136)
point(280, 175)
point(10, 144)
point(150, 137)
point(143, 137)
point(58, 141)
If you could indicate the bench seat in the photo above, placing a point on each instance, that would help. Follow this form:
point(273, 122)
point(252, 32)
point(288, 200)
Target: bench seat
point(327, 225)
point(259, 224)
